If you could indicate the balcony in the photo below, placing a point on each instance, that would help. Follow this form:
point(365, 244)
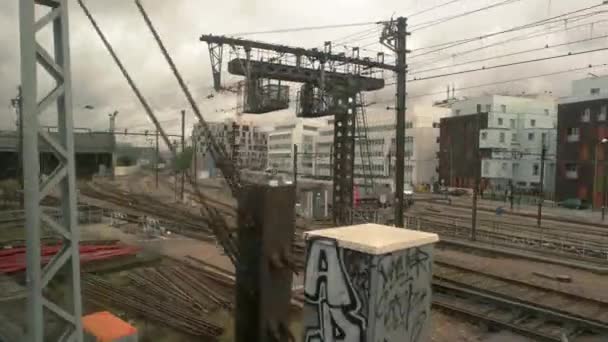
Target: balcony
point(573, 138)
point(571, 174)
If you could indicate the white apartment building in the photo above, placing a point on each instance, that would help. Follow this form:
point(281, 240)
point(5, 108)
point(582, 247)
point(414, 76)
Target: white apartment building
point(281, 141)
point(511, 143)
point(245, 142)
point(420, 150)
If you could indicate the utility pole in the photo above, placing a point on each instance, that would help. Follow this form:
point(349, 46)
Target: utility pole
point(195, 161)
point(477, 181)
point(295, 167)
point(401, 69)
point(183, 176)
point(156, 162)
point(604, 193)
point(541, 193)
point(112, 128)
point(16, 103)
point(175, 159)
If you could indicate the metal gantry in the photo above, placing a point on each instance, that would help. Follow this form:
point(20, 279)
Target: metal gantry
point(332, 83)
point(67, 262)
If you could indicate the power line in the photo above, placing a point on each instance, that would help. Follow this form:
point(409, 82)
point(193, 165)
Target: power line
point(555, 73)
point(352, 36)
point(558, 18)
point(546, 47)
point(569, 54)
point(308, 28)
point(550, 21)
point(435, 22)
point(432, 8)
point(510, 40)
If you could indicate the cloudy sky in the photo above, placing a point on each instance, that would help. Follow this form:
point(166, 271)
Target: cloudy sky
point(98, 82)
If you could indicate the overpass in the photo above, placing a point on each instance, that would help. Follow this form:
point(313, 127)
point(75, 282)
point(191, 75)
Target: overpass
point(92, 150)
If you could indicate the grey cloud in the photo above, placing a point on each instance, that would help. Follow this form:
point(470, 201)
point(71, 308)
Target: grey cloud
point(97, 81)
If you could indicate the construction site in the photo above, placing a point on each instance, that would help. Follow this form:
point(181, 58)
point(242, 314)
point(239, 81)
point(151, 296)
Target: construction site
point(108, 242)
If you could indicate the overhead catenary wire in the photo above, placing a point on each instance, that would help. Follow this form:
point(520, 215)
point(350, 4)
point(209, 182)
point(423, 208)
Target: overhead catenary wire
point(558, 19)
point(513, 80)
point(435, 22)
point(306, 28)
point(544, 48)
point(459, 42)
point(503, 42)
point(432, 8)
point(484, 68)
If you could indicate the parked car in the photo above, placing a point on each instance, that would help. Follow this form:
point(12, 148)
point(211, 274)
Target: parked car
point(574, 203)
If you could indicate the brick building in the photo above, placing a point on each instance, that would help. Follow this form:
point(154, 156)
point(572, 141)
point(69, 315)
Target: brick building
point(501, 139)
point(582, 125)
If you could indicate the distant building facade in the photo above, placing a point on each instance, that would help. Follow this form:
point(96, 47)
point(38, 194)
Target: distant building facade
point(245, 143)
point(420, 150)
point(281, 141)
point(501, 138)
point(582, 125)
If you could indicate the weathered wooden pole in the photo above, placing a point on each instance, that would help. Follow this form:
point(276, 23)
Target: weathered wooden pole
point(368, 283)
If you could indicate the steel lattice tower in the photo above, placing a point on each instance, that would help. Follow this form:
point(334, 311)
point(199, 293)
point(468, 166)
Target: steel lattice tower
point(66, 261)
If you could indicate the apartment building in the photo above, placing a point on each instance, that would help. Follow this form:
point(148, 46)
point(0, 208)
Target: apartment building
point(420, 150)
point(502, 138)
point(281, 141)
point(245, 143)
point(582, 128)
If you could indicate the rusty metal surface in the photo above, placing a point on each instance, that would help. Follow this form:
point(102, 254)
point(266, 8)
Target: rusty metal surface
point(264, 273)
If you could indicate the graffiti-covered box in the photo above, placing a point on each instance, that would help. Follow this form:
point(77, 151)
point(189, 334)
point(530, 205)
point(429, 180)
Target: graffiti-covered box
point(368, 283)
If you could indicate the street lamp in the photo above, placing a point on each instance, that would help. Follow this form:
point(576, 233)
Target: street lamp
point(601, 142)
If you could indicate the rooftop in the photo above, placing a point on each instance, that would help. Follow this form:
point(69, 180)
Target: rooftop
point(374, 239)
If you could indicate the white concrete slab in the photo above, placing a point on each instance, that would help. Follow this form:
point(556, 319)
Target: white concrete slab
point(374, 239)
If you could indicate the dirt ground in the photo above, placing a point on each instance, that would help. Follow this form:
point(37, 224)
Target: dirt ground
point(446, 328)
point(584, 283)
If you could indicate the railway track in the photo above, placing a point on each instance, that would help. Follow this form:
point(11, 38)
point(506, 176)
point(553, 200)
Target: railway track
point(549, 221)
point(571, 231)
point(584, 250)
point(530, 310)
point(576, 305)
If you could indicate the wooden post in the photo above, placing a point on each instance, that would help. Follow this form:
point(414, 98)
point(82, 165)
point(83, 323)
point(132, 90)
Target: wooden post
point(264, 271)
point(368, 289)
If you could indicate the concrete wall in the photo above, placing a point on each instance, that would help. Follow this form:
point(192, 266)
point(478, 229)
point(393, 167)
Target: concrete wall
point(126, 170)
point(363, 297)
point(583, 87)
point(94, 142)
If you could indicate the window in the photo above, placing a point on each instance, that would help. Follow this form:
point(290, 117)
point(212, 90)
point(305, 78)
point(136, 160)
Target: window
point(457, 112)
point(602, 115)
point(486, 167)
point(503, 108)
point(514, 137)
point(535, 170)
point(478, 108)
point(586, 117)
point(546, 112)
point(543, 139)
point(488, 108)
point(504, 166)
point(532, 123)
point(571, 171)
point(502, 137)
point(500, 121)
point(595, 91)
point(572, 134)
point(512, 123)
point(484, 135)
point(515, 168)
point(531, 136)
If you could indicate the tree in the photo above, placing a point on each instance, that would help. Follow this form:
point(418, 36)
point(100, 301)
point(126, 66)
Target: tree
point(125, 160)
point(183, 159)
